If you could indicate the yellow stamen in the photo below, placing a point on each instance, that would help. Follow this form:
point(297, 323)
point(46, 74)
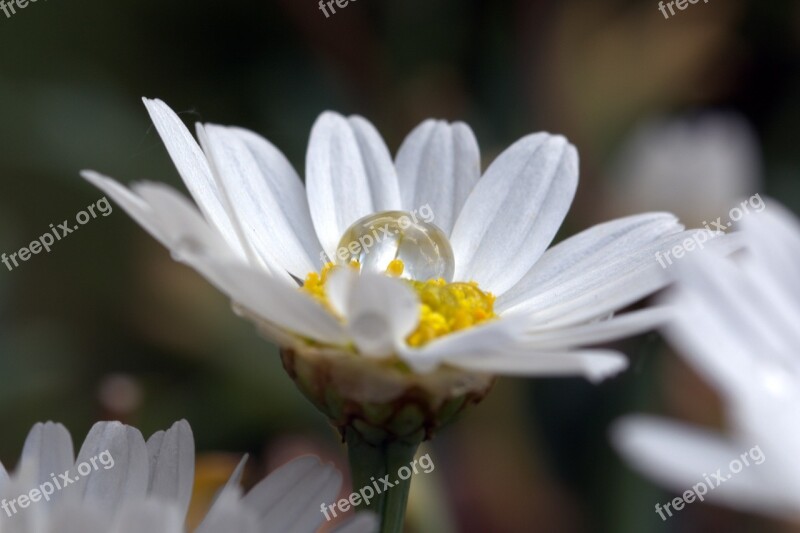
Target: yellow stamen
point(444, 307)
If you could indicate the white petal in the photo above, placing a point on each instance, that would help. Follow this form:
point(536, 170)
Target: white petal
point(380, 311)
point(438, 165)
point(610, 285)
point(680, 457)
point(127, 479)
point(588, 248)
point(489, 337)
point(150, 516)
point(194, 169)
point(47, 449)
point(267, 197)
point(171, 456)
point(601, 331)
point(289, 498)
point(595, 365)
point(130, 202)
point(378, 165)
point(515, 211)
point(280, 304)
point(348, 175)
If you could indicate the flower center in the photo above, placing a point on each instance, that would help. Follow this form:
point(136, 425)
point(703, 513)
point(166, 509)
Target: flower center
point(377, 240)
point(444, 307)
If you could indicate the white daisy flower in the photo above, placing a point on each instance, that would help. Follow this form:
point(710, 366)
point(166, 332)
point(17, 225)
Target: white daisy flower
point(482, 294)
point(121, 484)
point(736, 323)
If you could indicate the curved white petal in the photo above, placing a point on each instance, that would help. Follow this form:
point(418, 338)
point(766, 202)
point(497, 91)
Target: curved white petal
point(268, 198)
point(608, 286)
point(380, 311)
point(289, 498)
point(130, 202)
point(680, 457)
point(171, 456)
point(438, 165)
point(349, 174)
point(194, 169)
point(586, 249)
point(594, 365)
point(489, 337)
point(277, 303)
point(127, 480)
point(601, 331)
point(514, 211)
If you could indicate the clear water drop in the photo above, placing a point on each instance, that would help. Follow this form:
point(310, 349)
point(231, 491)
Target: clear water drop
point(377, 239)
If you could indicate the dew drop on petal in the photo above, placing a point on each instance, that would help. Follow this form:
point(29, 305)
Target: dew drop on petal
point(378, 239)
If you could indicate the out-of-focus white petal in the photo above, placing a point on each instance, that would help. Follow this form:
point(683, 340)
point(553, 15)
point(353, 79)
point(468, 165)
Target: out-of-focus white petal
point(47, 449)
point(680, 457)
point(438, 164)
point(289, 498)
point(514, 211)
point(348, 175)
point(194, 169)
point(584, 251)
point(171, 456)
point(150, 516)
point(127, 480)
point(698, 168)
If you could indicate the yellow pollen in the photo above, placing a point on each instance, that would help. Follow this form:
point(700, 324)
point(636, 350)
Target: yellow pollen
point(444, 307)
point(395, 268)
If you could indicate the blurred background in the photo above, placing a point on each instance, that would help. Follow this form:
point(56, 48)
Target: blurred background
point(687, 114)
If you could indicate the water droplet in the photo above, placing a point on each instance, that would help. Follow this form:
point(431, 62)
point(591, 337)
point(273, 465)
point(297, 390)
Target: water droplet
point(375, 240)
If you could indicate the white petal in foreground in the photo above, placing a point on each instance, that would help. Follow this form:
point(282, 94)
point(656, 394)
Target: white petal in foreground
point(349, 175)
point(438, 164)
point(380, 311)
point(194, 169)
point(682, 457)
point(514, 211)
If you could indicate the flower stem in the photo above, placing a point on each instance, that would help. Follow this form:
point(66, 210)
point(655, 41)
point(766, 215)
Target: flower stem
point(370, 464)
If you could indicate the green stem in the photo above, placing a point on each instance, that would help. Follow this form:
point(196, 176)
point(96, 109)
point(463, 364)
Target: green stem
point(369, 463)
